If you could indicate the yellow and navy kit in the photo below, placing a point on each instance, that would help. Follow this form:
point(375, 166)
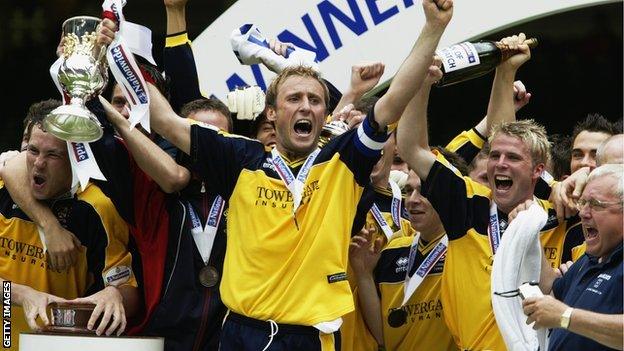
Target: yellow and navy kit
point(425, 328)
point(467, 144)
point(354, 332)
point(278, 267)
point(463, 206)
point(103, 257)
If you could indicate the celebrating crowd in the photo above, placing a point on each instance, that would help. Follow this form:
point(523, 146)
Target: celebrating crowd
point(372, 240)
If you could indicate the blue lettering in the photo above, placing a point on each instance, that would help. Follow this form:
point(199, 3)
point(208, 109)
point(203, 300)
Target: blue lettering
point(408, 3)
point(319, 47)
point(235, 81)
point(356, 25)
point(377, 16)
point(255, 69)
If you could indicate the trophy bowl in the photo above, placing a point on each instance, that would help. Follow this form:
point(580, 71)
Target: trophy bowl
point(82, 75)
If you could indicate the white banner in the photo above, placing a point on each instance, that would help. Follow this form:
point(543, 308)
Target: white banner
point(345, 32)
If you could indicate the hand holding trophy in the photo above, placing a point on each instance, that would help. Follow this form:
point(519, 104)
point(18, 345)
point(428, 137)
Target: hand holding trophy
point(82, 75)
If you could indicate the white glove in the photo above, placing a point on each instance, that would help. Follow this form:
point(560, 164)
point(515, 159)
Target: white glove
point(247, 102)
point(251, 47)
point(399, 177)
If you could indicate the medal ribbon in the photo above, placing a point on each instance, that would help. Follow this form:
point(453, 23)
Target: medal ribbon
point(395, 208)
point(205, 237)
point(494, 229)
point(413, 278)
point(294, 184)
point(379, 218)
point(126, 71)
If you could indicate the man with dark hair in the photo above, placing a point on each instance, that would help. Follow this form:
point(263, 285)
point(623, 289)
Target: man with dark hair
point(103, 266)
point(560, 156)
point(210, 111)
point(586, 137)
point(36, 113)
point(263, 130)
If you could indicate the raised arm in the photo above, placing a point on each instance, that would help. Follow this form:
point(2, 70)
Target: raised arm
point(62, 246)
point(167, 123)
point(178, 59)
point(412, 134)
point(363, 257)
point(501, 107)
point(170, 176)
point(410, 75)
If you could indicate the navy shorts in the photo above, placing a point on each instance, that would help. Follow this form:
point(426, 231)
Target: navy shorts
point(242, 333)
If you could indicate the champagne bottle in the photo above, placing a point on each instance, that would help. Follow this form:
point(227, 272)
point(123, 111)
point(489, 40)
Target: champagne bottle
point(467, 60)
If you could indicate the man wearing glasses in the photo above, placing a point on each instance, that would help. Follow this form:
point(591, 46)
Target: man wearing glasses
point(586, 310)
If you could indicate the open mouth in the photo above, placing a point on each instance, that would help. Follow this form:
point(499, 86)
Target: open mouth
point(503, 182)
point(38, 180)
point(303, 127)
point(591, 233)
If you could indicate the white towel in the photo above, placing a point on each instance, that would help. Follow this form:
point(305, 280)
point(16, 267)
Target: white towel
point(518, 260)
point(251, 47)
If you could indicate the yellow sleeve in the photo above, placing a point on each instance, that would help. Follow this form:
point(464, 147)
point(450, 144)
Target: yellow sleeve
point(177, 40)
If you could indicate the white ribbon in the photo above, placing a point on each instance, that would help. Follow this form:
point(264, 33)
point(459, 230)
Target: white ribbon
point(139, 40)
point(494, 235)
point(205, 237)
point(127, 72)
point(395, 208)
point(381, 221)
point(294, 184)
point(413, 280)
point(83, 164)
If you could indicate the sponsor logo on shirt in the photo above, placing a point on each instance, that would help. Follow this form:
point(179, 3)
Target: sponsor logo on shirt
point(117, 275)
point(423, 310)
point(23, 252)
point(270, 197)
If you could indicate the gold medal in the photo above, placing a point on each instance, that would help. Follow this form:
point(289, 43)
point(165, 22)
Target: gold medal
point(208, 276)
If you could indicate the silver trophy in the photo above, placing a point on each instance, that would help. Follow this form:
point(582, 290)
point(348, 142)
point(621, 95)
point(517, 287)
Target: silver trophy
point(82, 75)
point(330, 131)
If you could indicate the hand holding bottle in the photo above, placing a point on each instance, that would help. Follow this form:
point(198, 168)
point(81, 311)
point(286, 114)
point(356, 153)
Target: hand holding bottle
point(516, 47)
point(438, 12)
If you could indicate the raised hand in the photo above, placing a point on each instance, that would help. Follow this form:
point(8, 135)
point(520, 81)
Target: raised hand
point(365, 76)
point(521, 51)
point(521, 96)
point(364, 251)
point(438, 12)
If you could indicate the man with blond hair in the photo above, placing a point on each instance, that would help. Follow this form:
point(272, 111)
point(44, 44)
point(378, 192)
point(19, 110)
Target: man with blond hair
point(291, 208)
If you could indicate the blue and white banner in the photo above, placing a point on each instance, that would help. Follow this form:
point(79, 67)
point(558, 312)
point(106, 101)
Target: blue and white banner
point(344, 32)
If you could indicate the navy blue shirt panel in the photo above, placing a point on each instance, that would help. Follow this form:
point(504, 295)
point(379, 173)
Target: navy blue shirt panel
point(591, 286)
